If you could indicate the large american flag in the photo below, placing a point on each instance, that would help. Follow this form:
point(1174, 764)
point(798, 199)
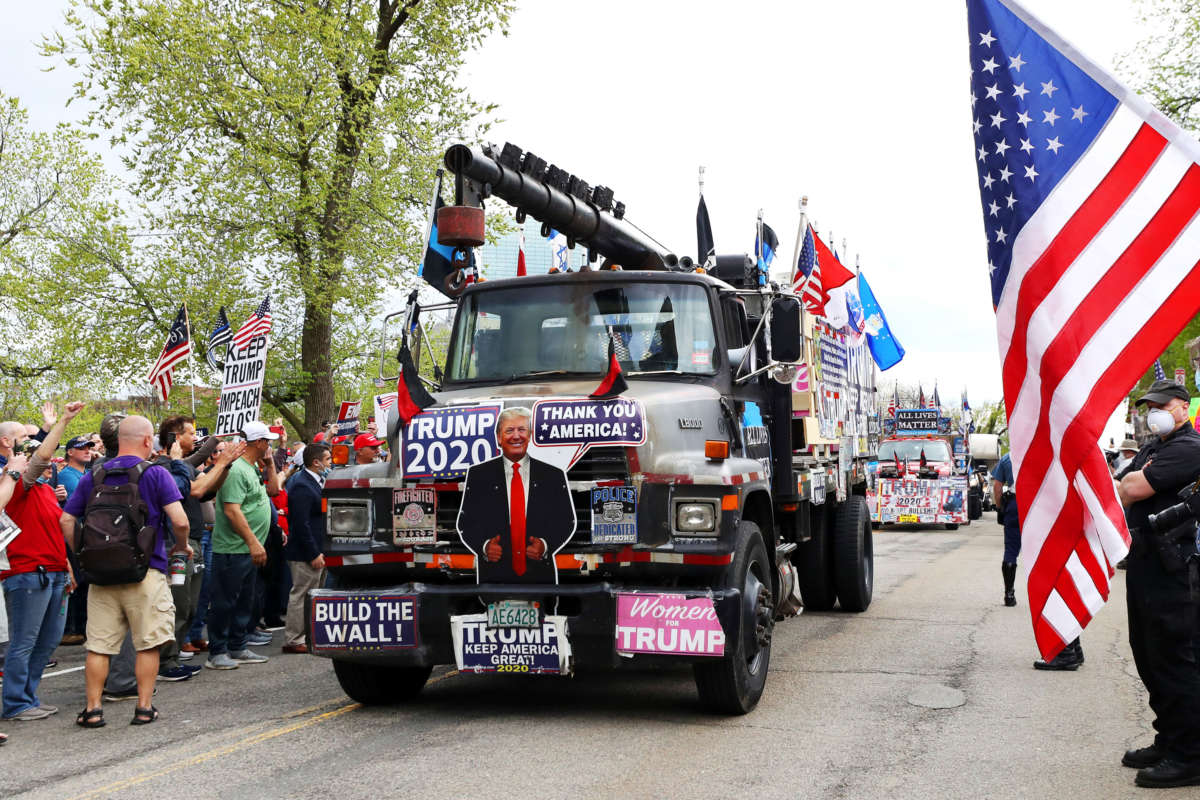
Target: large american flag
point(1090, 201)
point(177, 348)
point(256, 324)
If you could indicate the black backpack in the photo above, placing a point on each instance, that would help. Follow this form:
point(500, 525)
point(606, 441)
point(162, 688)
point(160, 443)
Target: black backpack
point(114, 543)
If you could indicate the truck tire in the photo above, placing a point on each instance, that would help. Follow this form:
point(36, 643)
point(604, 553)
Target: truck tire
point(379, 684)
point(814, 564)
point(853, 554)
point(734, 683)
point(951, 526)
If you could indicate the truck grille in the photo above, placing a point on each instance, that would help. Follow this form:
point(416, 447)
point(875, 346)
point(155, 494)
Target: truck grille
point(597, 464)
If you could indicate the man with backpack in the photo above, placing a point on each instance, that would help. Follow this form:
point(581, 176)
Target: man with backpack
point(125, 506)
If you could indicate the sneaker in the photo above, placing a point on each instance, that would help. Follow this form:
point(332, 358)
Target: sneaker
point(48, 709)
point(256, 640)
point(30, 714)
point(221, 661)
point(180, 673)
point(186, 655)
point(272, 625)
point(52, 663)
point(192, 668)
point(248, 657)
point(128, 694)
point(73, 639)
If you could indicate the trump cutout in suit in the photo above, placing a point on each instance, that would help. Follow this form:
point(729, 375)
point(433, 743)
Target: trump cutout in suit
point(517, 511)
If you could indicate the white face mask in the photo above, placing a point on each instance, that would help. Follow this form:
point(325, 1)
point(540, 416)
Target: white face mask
point(1160, 421)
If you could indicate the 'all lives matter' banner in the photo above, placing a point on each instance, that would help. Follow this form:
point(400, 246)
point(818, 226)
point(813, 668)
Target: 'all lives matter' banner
point(241, 391)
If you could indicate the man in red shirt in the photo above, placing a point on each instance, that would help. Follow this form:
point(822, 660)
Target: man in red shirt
point(39, 576)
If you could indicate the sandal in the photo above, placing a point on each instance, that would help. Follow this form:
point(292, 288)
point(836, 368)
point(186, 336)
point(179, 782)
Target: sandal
point(3, 738)
point(90, 718)
point(144, 716)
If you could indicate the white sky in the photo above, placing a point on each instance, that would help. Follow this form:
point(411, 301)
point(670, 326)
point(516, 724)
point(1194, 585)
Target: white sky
point(862, 106)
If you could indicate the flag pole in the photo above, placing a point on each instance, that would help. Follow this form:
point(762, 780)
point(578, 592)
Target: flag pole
point(187, 323)
point(758, 248)
point(799, 238)
point(702, 181)
point(437, 192)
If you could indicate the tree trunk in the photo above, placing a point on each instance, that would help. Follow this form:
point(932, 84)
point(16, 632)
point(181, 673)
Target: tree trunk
point(319, 402)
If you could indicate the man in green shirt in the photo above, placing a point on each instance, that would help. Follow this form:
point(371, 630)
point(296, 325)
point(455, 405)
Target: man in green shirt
point(240, 528)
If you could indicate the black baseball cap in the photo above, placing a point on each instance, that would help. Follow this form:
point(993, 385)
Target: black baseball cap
point(1164, 391)
point(79, 442)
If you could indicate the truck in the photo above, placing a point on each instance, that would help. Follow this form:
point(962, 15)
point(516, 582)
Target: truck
point(675, 521)
point(922, 475)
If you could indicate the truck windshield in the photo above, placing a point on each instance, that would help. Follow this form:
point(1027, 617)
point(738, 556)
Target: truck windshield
point(512, 333)
point(935, 450)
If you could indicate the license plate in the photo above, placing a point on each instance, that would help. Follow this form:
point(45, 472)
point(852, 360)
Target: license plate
point(514, 614)
point(912, 519)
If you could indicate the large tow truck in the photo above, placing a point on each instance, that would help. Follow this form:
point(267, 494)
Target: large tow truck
point(720, 492)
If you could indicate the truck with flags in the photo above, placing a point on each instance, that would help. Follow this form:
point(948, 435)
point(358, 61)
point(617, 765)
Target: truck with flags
point(639, 461)
point(921, 477)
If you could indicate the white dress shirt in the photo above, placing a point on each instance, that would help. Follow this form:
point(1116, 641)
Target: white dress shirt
point(320, 481)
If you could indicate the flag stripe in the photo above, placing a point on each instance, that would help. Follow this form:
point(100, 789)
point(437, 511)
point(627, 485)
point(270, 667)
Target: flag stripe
point(1144, 323)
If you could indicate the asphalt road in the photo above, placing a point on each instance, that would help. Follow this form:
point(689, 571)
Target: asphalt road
point(846, 714)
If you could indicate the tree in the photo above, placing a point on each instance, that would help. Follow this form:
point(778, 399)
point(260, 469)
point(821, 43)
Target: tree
point(289, 146)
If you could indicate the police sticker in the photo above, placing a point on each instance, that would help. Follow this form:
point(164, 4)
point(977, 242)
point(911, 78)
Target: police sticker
point(614, 515)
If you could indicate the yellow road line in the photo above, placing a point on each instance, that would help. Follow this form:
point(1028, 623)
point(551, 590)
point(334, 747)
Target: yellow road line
point(220, 751)
point(249, 741)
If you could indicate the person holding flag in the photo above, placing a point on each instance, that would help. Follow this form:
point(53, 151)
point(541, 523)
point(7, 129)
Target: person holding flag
point(1093, 250)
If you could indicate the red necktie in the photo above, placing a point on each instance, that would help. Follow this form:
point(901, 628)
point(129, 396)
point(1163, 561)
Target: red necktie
point(516, 515)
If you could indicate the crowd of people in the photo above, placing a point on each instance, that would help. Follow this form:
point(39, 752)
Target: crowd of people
point(155, 549)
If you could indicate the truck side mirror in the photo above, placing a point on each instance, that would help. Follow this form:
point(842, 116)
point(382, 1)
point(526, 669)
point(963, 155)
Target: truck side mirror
point(786, 344)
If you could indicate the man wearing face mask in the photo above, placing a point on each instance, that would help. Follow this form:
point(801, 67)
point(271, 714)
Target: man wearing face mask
point(306, 539)
point(1164, 614)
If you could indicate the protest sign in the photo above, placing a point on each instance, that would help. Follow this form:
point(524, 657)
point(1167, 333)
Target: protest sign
point(241, 389)
point(347, 421)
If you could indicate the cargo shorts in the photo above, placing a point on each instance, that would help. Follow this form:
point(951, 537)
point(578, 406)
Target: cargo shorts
point(145, 609)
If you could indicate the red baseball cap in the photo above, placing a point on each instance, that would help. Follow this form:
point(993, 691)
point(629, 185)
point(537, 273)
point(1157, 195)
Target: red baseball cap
point(365, 440)
point(320, 437)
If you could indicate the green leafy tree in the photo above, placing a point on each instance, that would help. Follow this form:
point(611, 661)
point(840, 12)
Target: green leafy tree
point(286, 147)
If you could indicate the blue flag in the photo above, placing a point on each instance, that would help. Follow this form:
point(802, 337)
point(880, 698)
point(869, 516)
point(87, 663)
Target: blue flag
point(765, 251)
point(885, 348)
point(438, 261)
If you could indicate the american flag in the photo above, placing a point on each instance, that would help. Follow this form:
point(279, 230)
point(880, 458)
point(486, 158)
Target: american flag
point(177, 348)
point(807, 279)
point(894, 403)
point(1090, 201)
point(935, 401)
point(1160, 374)
point(256, 324)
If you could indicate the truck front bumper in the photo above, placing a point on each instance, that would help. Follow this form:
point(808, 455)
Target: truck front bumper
point(409, 624)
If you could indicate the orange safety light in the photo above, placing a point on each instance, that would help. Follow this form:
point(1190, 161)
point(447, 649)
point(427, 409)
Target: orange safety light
point(341, 454)
point(729, 502)
point(716, 450)
point(324, 505)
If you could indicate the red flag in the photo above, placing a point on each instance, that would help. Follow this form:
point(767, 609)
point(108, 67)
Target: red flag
point(614, 382)
point(833, 274)
point(411, 397)
point(521, 256)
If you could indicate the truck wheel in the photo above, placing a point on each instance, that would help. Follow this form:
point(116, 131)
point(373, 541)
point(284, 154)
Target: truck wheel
point(734, 683)
point(379, 684)
point(853, 554)
point(951, 526)
point(814, 564)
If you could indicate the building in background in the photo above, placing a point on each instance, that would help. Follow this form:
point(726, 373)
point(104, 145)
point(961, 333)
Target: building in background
point(499, 260)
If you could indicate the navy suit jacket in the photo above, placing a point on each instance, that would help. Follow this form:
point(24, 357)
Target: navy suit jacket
point(549, 515)
point(306, 523)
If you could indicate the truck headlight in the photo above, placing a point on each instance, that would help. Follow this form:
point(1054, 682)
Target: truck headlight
point(696, 517)
point(349, 518)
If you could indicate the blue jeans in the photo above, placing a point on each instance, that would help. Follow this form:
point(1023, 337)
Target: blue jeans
point(197, 630)
point(229, 616)
point(37, 613)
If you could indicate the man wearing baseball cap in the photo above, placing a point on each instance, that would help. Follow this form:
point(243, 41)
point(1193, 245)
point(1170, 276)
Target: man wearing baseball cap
point(80, 451)
point(1164, 615)
point(366, 449)
point(240, 529)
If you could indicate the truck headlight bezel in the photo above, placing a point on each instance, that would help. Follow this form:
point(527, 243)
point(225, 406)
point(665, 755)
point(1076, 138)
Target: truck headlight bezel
point(695, 517)
point(349, 518)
